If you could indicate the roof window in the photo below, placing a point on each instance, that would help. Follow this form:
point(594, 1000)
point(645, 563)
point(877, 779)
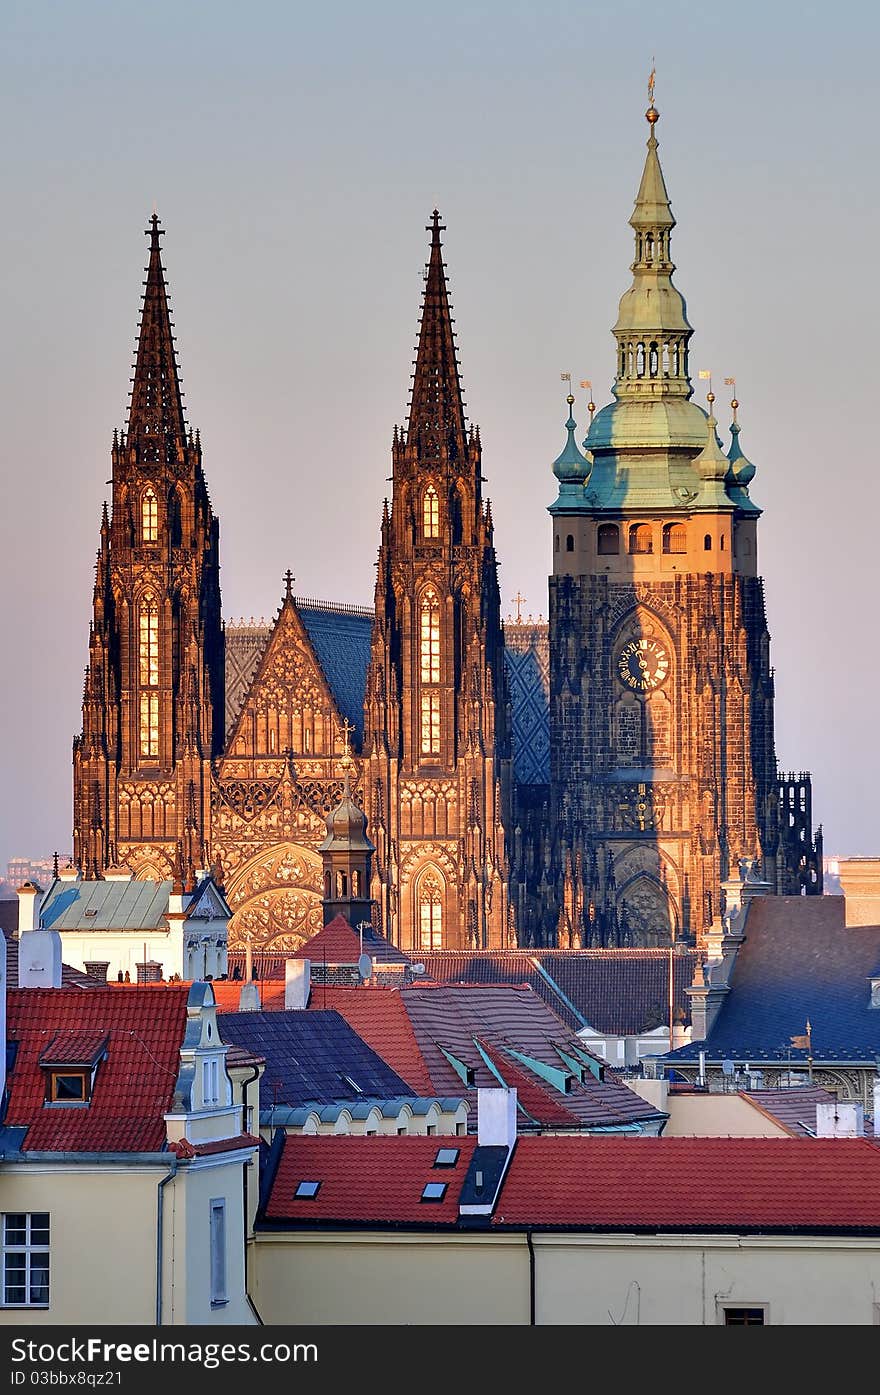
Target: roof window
point(447, 1157)
point(307, 1191)
point(434, 1191)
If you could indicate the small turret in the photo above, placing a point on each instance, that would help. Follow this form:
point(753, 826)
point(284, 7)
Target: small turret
point(346, 853)
point(572, 467)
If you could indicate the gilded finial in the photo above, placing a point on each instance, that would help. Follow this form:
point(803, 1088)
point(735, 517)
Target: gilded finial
point(731, 382)
point(591, 406)
point(652, 115)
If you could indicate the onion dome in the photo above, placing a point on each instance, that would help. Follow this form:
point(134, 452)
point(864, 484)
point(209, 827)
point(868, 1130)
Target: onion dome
point(742, 471)
point(572, 466)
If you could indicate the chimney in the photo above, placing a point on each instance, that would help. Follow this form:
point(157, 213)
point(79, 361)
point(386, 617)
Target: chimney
point(39, 959)
point(29, 898)
point(249, 997)
point(297, 981)
point(840, 1119)
point(496, 1118)
point(97, 969)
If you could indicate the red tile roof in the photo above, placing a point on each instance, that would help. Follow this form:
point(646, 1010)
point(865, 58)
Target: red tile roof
point(133, 1085)
point(227, 993)
point(380, 1016)
point(338, 943)
point(367, 1179)
point(184, 1148)
point(731, 1184)
point(590, 1182)
point(73, 1047)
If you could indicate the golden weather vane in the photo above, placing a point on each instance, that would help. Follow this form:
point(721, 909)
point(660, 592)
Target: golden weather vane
point(651, 82)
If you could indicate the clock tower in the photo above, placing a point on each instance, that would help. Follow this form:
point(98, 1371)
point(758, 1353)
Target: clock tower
point(663, 768)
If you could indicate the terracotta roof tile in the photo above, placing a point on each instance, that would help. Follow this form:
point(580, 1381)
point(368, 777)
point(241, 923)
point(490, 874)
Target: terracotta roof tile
point(185, 1148)
point(692, 1183)
point(338, 943)
point(133, 1085)
point(74, 1047)
point(367, 1179)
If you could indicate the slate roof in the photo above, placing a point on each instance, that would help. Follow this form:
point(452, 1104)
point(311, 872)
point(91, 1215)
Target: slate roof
point(338, 943)
point(134, 1083)
point(582, 1182)
point(412, 1027)
point(341, 637)
point(308, 1055)
point(618, 991)
point(798, 961)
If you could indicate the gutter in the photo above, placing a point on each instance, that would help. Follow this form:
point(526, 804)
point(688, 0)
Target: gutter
point(529, 1234)
point(160, 1216)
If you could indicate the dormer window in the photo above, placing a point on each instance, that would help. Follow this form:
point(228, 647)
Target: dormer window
point(70, 1063)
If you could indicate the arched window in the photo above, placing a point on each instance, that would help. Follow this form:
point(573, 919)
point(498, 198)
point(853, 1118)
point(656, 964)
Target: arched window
point(707, 543)
point(640, 539)
point(431, 513)
point(328, 885)
point(148, 676)
point(430, 638)
point(430, 742)
point(675, 537)
point(430, 911)
point(556, 543)
point(722, 542)
point(569, 543)
point(149, 516)
point(608, 540)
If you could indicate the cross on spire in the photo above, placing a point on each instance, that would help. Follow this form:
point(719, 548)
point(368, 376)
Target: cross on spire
point(519, 601)
point(288, 579)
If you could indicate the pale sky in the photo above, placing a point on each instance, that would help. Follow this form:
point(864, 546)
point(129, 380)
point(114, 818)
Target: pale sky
point(294, 153)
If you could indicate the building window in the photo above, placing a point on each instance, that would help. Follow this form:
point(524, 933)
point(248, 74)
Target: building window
point(149, 724)
point(640, 539)
point(218, 1253)
point(26, 1259)
point(569, 543)
point(149, 517)
point(744, 1317)
point(430, 912)
point(210, 1082)
point(149, 643)
point(608, 540)
point(430, 638)
point(430, 724)
point(675, 538)
point(707, 543)
point(68, 1087)
point(431, 513)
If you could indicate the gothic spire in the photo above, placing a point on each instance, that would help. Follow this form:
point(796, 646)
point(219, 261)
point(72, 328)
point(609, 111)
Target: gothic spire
point(436, 415)
point(155, 421)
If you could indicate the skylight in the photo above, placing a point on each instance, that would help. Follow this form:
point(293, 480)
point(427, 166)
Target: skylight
point(447, 1157)
point(434, 1191)
point(307, 1191)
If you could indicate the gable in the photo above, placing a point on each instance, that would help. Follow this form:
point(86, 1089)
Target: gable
point(289, 704)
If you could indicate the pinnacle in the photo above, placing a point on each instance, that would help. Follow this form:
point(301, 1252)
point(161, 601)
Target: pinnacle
point(436, 416)
point(156, 422)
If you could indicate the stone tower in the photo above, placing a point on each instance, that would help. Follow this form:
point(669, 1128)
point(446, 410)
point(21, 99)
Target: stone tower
point(663, 769)
point(436, 745)
point(153, 698)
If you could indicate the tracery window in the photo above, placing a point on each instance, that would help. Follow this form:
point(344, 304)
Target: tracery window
point(148, 673)
point(149, 516)
point(431, 513)
point(430, 724)
point(430, 907)
point(430, 638)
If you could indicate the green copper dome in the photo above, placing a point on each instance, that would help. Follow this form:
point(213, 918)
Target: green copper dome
point(571, 465)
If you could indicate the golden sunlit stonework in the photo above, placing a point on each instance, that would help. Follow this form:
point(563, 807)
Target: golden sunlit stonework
point(593, 781)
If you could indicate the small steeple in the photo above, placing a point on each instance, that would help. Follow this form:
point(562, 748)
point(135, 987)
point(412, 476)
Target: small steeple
point(436, 415)
point(652, 329)
point(345, 854)
point(156, 424)
point(572, 466)
point(742, 471)
point(712, 465)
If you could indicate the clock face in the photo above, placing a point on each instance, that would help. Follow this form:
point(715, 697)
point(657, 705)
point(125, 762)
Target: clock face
point(642, 664)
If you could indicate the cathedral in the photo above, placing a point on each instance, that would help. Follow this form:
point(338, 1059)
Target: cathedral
point(592, 781)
